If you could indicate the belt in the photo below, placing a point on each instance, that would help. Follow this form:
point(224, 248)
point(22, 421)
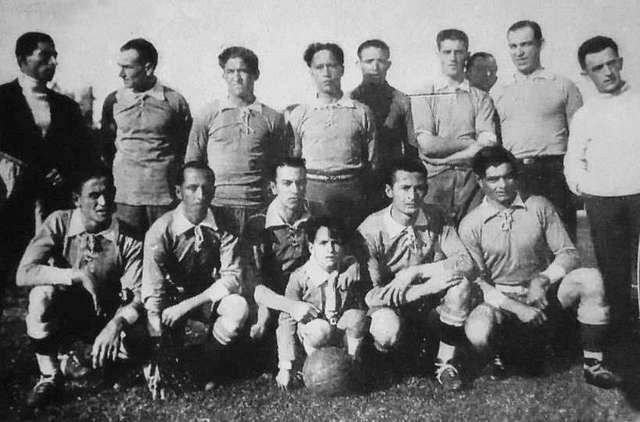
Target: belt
point(332, 178)
point(541, 159)
point(507, 288)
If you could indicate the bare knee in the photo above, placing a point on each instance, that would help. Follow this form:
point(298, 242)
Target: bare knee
point(233, 312)
point(354, 322)
point(40, 299)
point(479, 326)
point(385, 329)
point(316, 333)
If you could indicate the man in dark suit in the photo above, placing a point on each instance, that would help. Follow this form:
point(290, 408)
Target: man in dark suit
point(43, 143)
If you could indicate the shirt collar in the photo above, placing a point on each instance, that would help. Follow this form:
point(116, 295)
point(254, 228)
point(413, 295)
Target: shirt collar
point(539, 73)
point(77, 227)
point(393, 228)
point(180, 224)
point(30, 84)
point(443, 83)
point(344, 102)
point(227, 105)
point(274, 215)
point(317, 275)
point(127, 94)
point(489, 210)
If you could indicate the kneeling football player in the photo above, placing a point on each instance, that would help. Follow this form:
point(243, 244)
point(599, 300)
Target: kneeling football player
point(339, 318)
point(416, 263)
point(511, 237)
point(79, 264)
point(191, 269)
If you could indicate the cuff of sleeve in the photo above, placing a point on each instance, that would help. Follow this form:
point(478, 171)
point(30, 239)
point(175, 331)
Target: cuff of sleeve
point(129, 314)
point(285, 364)
point(66, 277)
point(554, 272)
point(217, 291)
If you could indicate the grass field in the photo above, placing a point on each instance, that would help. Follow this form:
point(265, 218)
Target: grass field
point(558, 394)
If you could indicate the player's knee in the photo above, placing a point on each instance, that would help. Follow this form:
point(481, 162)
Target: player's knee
point(354, 322)
point(233, 312)
point(234, 308)
point(458, 296)
point(40, 299)
point(316, 333)
point(385, 329)
point(590, 281)
point(478, 326)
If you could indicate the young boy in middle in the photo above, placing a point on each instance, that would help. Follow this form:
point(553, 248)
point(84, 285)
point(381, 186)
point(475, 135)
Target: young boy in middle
point(340, 320)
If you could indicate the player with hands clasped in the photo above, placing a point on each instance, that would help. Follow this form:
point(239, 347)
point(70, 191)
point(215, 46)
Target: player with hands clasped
point(413, 257)
point(510, 236)
point(191, 270)
point(78, 264)
point(324, 313)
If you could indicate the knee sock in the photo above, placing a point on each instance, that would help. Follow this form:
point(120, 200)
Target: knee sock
point(450, 337)
point(592, 337)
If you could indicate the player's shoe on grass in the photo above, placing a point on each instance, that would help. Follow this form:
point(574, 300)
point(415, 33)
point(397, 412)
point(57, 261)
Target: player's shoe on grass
point(45, 391)
point(71, 366)
point(597, 374)
point(447, 375)
point(498, 370)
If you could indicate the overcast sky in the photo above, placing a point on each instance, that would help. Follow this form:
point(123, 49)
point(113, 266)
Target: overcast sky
point(189, 35)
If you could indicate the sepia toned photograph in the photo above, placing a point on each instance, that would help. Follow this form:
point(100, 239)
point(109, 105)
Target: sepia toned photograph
point(326, 210)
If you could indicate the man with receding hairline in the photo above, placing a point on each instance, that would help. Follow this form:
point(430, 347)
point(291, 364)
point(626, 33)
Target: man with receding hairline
point(535, 107)
point(145, 126)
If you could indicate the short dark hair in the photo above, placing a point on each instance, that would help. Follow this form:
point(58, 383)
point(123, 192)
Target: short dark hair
point(88, 172)
point(146, 50)
point(28, 42)
point(336, 227)
point(296, 162)
point(318, 46)
point(595, 45)
point(248, 57)
point(491, 157)
point(537, 32)
point(452, 34)
point(410, 165)
point(376, 44)
point(194, 165)
point(477, 56)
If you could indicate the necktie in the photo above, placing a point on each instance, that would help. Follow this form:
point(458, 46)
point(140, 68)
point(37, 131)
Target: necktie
point(506, 217)
point(331, 302)
point(199, 238)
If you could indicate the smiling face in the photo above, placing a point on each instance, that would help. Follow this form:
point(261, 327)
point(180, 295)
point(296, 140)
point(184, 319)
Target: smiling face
point(524, 49)
point(240, 80)
point(453, 55)
point(407, 192)
point(604, 68)
point(326, 72)
point(500, 184)
point(95, 202)
point(374, 63)
point(41, 63)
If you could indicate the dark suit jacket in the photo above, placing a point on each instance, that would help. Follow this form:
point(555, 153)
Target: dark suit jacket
point(65, 147)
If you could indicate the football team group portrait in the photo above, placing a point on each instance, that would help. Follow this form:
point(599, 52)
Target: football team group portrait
point(463, 248)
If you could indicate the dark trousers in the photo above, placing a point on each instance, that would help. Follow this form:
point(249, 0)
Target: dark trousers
point(544, 176)
point(456, 191)
point(140, 217)
point(615, 223)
